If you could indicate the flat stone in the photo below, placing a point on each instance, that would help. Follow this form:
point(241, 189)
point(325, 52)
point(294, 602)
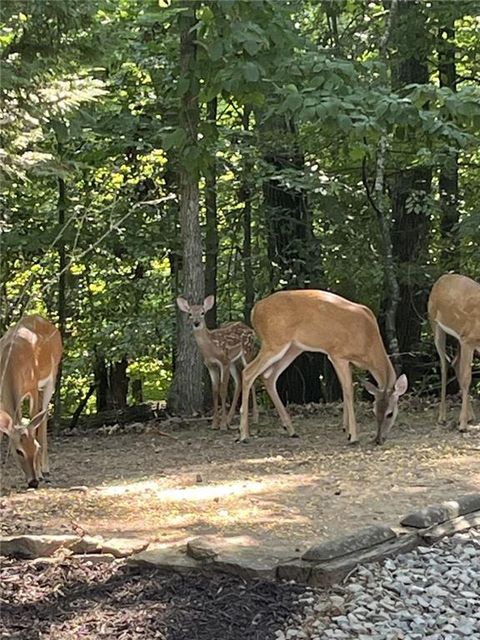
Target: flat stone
point(363, 539)
point(201, 549)
point(123, 547)
point(436, 514)
point(296, 570)
point(328, 573)
point(462, 523)
point(95, 558)
point(238, 555)
point(171, 558)
point(35, 546)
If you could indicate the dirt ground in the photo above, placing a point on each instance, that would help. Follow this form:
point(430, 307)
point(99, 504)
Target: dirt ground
point(274, 490)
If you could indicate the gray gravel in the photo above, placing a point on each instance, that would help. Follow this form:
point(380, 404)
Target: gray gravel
point(432, 592)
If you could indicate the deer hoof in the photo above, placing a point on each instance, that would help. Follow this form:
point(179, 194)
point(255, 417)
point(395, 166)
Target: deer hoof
point(294, 435)
point(242, 440)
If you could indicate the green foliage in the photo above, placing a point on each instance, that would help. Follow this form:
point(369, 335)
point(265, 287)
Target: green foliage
point(90, 95)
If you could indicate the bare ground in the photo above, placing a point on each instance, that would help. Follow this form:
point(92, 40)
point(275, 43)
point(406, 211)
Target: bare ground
point(275, 490)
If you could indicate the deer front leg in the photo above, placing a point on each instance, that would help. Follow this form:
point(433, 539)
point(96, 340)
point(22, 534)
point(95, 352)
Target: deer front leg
point(224, 378)
point(214, 377)
point(440, 340)
point(344, 373)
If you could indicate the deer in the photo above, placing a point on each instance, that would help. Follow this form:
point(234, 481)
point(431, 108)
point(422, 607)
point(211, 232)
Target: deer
point(290, 322)
point(30, 354)
point(222, 350)
point(454, 309)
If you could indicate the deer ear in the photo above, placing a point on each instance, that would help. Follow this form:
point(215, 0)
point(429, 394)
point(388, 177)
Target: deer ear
point(183, 305)
point(401, 385)
point(6, 423)
point(371, 388)
point(208, 303)
point(37, 420)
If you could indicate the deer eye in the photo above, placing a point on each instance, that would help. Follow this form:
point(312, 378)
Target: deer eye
point(20, 453)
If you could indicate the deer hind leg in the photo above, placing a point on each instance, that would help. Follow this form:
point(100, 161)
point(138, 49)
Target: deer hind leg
point(223, 391)
point(265, 359)
point(456, 366)
point(270, 378)
point(439, 337)
point(464, 380)
point(344, 373)
point(245, 361)
point(237, 379)
point(45, 396)
point(214, 377)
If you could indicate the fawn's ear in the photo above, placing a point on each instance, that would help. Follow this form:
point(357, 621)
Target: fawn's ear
point(371, 388)
point(208, 303)
point(401, 385)
point(183, 305)
point(36, 421)
point(6, 423)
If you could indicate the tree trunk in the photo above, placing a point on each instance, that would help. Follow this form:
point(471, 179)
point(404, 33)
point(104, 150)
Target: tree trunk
point(246, 198)
point(411, 189)
point(62, 286)
point(211, 231)
point(101, 383)
point(118, 384)
point(310, 378)
point(186, 393)
point(448, 177)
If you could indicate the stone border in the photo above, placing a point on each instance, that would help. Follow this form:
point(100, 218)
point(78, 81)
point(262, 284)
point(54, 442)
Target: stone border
point(321, 565)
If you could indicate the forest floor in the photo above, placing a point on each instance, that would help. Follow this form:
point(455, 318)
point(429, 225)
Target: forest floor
point(275, 490)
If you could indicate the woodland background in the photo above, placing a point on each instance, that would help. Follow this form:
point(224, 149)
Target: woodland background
point(151, 148)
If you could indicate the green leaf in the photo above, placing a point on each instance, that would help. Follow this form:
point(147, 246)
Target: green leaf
point(251, 72)
point(215, 50)
point(175, 138)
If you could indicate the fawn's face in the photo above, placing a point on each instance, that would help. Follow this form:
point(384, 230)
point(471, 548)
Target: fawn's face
point(196, 312)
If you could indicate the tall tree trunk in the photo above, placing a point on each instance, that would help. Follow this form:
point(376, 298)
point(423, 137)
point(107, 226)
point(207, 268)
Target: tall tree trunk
point(118, 384)
point(310, 377)
point(448, 176)
point(186, 392)
point(411, 190)
point(211, 231)
point(246, 197)
point(101, 382)
point(62, 286)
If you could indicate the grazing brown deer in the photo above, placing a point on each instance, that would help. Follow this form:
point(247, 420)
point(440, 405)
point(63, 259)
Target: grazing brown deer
point(30, 353)
point(454, 308)
point(290, 322)
point(222, 350)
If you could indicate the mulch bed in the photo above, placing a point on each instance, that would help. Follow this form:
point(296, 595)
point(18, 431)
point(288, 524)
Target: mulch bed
point(75, 600)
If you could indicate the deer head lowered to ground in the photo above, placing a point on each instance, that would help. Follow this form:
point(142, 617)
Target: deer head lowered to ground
point(290, 322)
point(30, 354)
point(223, 350)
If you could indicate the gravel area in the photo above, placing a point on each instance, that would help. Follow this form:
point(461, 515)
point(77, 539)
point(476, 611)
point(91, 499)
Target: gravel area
point(432, 592)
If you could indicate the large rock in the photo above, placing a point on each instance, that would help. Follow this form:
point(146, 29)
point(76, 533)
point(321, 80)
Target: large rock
point(36, 546)
point(438, 513)
point(328, 573)
point(240, 555)
point(171, 558)
point(363, 539)
point(461, 523)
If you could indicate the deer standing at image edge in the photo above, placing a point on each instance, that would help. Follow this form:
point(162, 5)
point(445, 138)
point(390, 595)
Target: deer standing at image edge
point(222, 351)
point(290, 322)
point(30, 353)
point(454, 309)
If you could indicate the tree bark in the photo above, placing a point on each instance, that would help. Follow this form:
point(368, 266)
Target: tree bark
point(246, 198)
point(62, 286)
point(448, 176)
point(310, 377)
point(410, 190)
point(186, 392)
point(211, 231)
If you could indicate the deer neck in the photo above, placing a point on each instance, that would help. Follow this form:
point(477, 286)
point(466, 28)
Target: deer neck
point(8, 401)
point(383, 371)
point(204, 341)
